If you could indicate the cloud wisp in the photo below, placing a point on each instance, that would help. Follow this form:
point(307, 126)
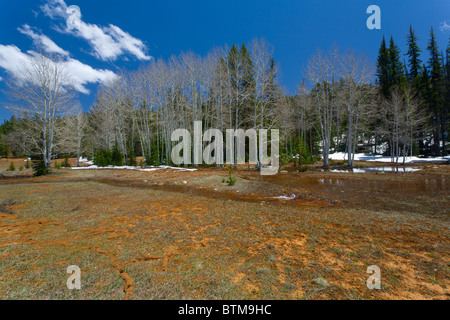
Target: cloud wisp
point(42, 40)
point(107, 42)
point(445, 26)
point(13, 60)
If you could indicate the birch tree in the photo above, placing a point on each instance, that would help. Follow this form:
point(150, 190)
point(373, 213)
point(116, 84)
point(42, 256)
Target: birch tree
point(356, 74)
point(323, 72)
point(43, 93)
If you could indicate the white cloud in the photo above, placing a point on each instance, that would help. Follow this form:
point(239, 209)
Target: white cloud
point(1, 79)
point(13, 60)
point(108, 43)
point(83, 74)
point(445, 26)
point(42, 40)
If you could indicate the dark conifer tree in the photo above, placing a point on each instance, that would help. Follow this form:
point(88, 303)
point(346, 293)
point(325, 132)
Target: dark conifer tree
point(435, 99)
point(248, 84)
point(395, 67)
point(414, 61)
point(383, 68)
point(414, 75)
point(446, 113)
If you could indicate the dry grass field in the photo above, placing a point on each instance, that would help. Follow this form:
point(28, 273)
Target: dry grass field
point(172, 234)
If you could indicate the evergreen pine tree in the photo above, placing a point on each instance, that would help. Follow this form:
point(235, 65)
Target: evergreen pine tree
point(116, 157)
point(415, 75)
point(131, 156)
point(248, 85)
point(273, 88)
point(414, 61)
point(446, 112)
point(233, 65)
point(395, 67)
point(382, 69)
point(435, 103)
point(39, 167)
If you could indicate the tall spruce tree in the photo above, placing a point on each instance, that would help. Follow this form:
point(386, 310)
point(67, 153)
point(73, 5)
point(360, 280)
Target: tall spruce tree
point(382, 71)
point(395, 67)
point(435, 101)
point(446, 113)
point(414, 61)
point(248, 85)
point(415, 76)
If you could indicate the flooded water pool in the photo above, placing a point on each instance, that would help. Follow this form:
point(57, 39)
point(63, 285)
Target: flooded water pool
point(349, 184)
point(388, 169)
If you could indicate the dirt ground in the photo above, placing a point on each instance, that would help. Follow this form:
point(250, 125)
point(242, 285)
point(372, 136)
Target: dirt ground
point(172, 234)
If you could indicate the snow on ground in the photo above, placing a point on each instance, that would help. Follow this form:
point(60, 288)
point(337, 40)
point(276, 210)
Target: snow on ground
point(86, 161)
point(94, 167)
point(177, 168)
point(341, 156)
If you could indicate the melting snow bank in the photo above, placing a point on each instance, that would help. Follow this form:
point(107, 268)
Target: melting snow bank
point(85, 161)
point(132, 168)
point(341, 156)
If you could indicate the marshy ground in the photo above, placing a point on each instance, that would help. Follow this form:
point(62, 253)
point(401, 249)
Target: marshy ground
point(171, 234)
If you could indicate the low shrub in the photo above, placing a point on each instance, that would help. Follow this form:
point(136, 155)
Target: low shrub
point(231, 179)
point(39, 167)
point(66, 162)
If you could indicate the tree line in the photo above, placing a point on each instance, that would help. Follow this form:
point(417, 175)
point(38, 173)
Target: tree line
point(426, 84)
point(343, 103)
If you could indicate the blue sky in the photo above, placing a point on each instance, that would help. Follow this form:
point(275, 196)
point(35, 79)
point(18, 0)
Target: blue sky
point(114, 34)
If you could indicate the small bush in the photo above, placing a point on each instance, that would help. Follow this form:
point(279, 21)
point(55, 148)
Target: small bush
point(102, 158)
point(106, 157)
point(116, 157)
point(231, 179)
point(57, 165)
point(284, 159)
point(131, 157)
point(21, 168)
point(12, 167)
point(66, 162)
point(39, 168)
point(28, 164)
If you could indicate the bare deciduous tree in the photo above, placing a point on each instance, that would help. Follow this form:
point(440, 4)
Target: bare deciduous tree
point(43, 94)
point(323, 73)
point(356, 74)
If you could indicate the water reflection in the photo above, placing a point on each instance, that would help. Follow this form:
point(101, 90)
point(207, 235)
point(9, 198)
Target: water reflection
point(375, 169)
point(344, 184)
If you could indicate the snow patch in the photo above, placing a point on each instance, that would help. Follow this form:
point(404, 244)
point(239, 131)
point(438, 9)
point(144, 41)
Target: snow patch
point(94, 167)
